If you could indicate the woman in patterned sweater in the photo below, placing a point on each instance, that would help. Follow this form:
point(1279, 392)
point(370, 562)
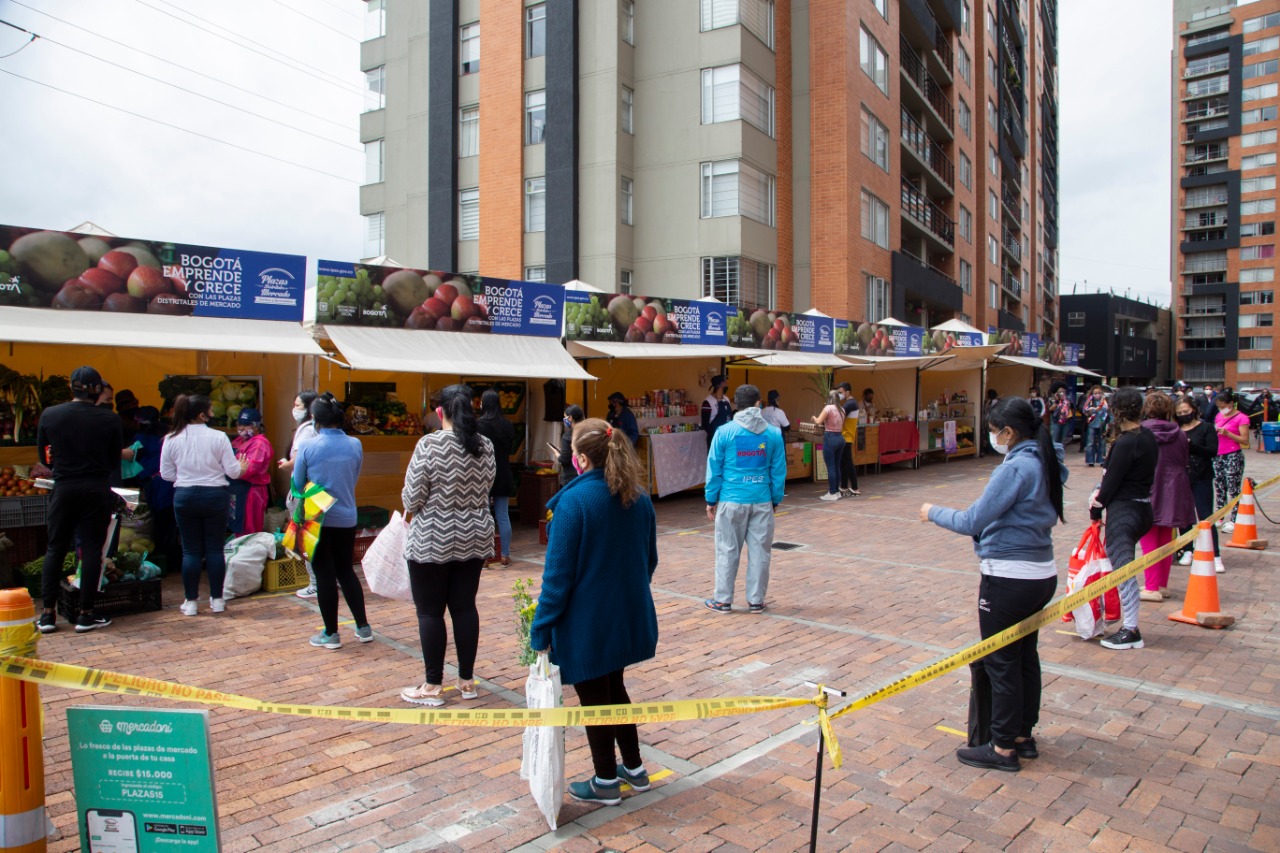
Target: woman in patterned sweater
point(446, 504)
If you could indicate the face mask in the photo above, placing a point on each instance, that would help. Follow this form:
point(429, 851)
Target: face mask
point(1002, 449)
point(244, 432)
point(299, 414)
point(577, 466)
point(1184, 419)
point(568, 423)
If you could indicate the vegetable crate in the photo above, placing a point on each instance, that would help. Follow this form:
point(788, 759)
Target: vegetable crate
point(28, 511)
point(284, 575)
point(124, 597)
point(362, 544)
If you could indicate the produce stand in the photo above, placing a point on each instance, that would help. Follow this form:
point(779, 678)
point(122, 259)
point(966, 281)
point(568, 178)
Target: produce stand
point(951, 392)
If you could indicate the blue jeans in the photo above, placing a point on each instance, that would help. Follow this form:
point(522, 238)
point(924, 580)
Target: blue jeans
point(1093, 454)
point(202, 513)
point(832, 446)
point(1060, 433)
point(503, 518)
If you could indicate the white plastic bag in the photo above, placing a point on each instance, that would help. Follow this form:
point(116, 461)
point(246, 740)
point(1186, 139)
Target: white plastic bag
point(543, 761)
point(385, 567)
point(1087, 616)
point(246, 559)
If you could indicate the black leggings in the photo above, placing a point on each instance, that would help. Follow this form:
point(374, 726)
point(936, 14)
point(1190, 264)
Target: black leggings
point(609, 690)
point(1015, 669)
point(78, 509)
point(334, 565)
point(453, 585)
point(848, 471)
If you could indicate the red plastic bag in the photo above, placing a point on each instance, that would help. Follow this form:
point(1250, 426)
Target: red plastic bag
point(1088, 563)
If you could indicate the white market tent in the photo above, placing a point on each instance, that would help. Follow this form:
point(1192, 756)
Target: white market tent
point(415, 351)
point(617, 349)
point(957, 325)
point(581, 286)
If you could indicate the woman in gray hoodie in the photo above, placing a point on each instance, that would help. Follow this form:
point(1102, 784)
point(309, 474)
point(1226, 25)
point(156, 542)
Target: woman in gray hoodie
point(1012, 529)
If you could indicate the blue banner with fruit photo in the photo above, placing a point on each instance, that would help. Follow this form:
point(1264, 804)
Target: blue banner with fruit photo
point(781, 330)
point(77, 272)
point(643, 319)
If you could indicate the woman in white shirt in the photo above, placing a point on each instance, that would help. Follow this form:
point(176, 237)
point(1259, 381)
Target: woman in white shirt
point(199, 461)
point(774, 415)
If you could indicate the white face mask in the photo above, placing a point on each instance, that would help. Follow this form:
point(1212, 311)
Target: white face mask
point(1002, 449)
point(299, 415)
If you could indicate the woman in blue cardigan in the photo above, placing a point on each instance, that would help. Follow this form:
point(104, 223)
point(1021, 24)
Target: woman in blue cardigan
point(595, 611)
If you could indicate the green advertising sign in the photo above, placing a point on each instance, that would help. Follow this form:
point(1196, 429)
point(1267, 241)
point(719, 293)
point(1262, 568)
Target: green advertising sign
point(143, 780)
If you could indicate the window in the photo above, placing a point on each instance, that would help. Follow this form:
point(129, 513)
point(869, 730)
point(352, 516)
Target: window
point(1075, 319)
point(1264, 22)
point(469, 131)
point(624, 201)
point(993, 204)
point(1257, 253)
point(1265, 68)
point(1253, 365)
point(755, 15)
point(1256, 342)
point(1257, 275)
point(993, 160)
point(1252, 297)
point(993, 114)
point(535, 273)
point(624, 282)
point(731, 92)
point(1253, 185)
point(375, 84)
point(991, 22)
point(964, 64)
point(739, 281)
point(628, 23)
point(535, 117)
point(1258, 93)
point(875, 139)
point(995, 294)
point(882, 6)
point(966, 224)
point(375, 20)
point(373, 152)
point(628, 102)
point(992, 77)
point(734, 188)
point(966, 118)
point(966, 277)
point(469, 49)
point(965, 318)
point(1256, 161)
point(873, 59)
point(1254, 321)
point(993, 249)
point(875, 220)
point(1257, 229)
point(1261, 205)
point(535, 205)
point(966, 171)
point(1259, 115)
point(879, 297)
point(375, 235)
point(535, 31)
point(1260, 137)
point(469, 215)
point(1266, 45)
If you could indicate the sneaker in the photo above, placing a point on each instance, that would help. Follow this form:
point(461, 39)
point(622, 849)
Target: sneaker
point(327, 641)
point(1125, 638)
point(638, 781)
point(47, 623)
point(467, 689)
point(1164, 591)
point(188, 608)
point(217, 605)
point(756, 608)
point(1228, 527)
point(431, 695)
point(1150, 595)
point(1186, 558)
point(1026, 749)
point(307, 592)
point(365, 634)
point(1217, 565)
point(987, 758)
point(830, 496)
point(89, 622)
point(717, 606)
point(592, 791)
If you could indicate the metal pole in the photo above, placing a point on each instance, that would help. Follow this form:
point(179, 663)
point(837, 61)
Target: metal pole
point(823, 693)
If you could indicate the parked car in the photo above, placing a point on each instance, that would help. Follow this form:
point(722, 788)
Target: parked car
point(1251, 403)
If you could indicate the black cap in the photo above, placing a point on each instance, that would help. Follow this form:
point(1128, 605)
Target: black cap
point(86, 379)
point(249, 417)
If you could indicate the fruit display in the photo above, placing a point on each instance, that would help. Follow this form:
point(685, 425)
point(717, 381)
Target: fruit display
point(228, 395)
point(510, 395)
point(14, 486)
point(22, 398)
point(62, 270)
point(403, 298)
point(633, 319)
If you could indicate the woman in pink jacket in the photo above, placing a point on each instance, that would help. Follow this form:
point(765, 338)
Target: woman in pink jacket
point(250, 492)
point(1173, 506)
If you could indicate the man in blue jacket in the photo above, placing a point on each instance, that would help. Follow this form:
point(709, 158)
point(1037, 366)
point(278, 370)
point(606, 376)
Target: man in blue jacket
point(746, 479)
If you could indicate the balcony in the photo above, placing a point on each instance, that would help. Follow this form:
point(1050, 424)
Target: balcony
point(1011, 199)
point(1012, 245)
point(1205, 220)
point(1204, 200)
point(925, 282)
point(1014, 133)
point(1207, 310)
point(1050, 234)
point(1196, 265)
point(928, 152)
point(1047, 310)
point(917, 207)
point(929, 91)
point(1205, 88)
point(942, 48)
point(1011, 283)
point(1049, 20)
point(1204, 154)
point(1201, 332)
point(1219, 108)
point(1217, 65)
point(1011, 12)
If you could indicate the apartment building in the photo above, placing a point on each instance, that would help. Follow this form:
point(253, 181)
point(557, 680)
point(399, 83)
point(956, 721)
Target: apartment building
point(1226, 74)
point(865, 157)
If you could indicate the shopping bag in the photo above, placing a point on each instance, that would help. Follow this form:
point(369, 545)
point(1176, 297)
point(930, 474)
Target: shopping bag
point(303, 531)
point(979, 704)
point(1093, 564)
point(384, 564)
point(543, 761)
point(246, 558)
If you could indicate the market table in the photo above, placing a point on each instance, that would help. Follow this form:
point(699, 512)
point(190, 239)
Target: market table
point(678, 461)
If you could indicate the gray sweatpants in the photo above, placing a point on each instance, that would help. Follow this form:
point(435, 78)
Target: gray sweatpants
point(738, 525)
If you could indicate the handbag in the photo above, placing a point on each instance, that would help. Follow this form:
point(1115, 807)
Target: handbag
point(1089, 563)
point(542, 763)
point(303, 532)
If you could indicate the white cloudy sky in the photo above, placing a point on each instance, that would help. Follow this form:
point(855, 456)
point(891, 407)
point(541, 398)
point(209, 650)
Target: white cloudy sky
point(68, 159)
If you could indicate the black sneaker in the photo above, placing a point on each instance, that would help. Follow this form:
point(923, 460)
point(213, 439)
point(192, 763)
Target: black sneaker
point(89, 622)
point(638, 781)
point(1026, 749)
point(47, 623)
point(987, 758)
point(756, 608)
point(1125, 638)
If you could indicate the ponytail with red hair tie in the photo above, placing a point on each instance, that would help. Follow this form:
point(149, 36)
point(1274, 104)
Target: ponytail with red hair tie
point(608, 432)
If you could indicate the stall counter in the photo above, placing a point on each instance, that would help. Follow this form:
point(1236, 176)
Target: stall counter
point(677, 461)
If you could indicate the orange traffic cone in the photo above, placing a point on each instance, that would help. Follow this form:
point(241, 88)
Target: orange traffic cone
point(1245, 534)
point(1202, 586)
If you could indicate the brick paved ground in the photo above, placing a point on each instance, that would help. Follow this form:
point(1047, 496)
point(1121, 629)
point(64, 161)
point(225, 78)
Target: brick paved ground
point(1176, 746)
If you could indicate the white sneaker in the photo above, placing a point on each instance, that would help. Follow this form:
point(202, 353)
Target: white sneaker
point(1228, 527)
point(1186, 558)
point(188, 608)
point(307, 592)
point(830, 496)
point(217, 605)
point(1218, 567)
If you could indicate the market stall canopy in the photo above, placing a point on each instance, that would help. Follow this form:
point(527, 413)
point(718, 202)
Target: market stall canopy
point(792, 359)
point(890, 321)
point(581, 286)
point(614, 349)
point(159, 331)
point(450, 353)
point(957, 325)
point(870, 363)
point(814, 312)
point(1078, 371)
point(968, 358)
point(1028, 361)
